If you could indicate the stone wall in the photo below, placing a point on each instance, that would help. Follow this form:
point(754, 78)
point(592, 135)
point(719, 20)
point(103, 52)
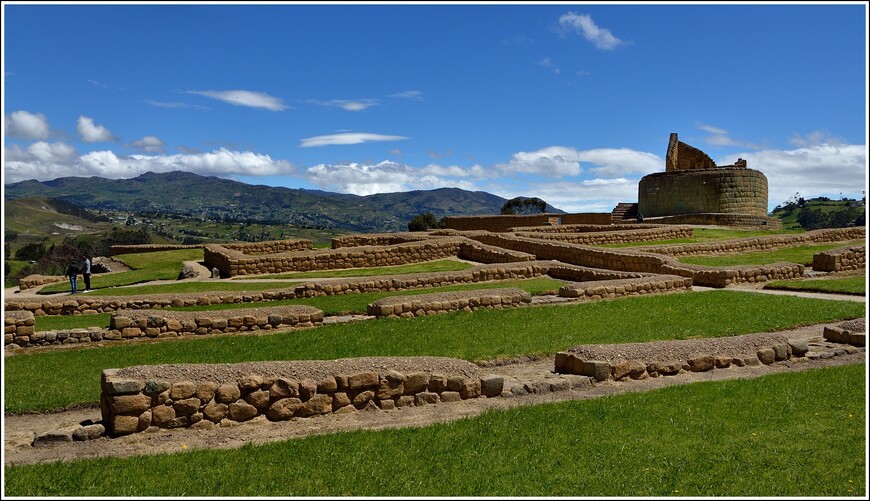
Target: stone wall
point(727, 190)
point(503, 223)
point(842, 259)
point(139, 323)
point(611, 289)
point(715, 276)
point(738, 351)
point(361, 239)
point(760, 243)
point(732, 220)
point(845, 336)
point(444, 302)
point(31, 281)
point(233, 263)
point(482, 253)
point(18, 325)
point(682, 156)
point(636, 234)
point(272, 246)
point(74, 305)
point(578, 228)
point(134, 403)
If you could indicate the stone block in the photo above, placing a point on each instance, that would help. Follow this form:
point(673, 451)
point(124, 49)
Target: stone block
point(766, 356)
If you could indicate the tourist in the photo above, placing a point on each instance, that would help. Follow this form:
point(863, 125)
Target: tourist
point(86, 273)
point(72, 272)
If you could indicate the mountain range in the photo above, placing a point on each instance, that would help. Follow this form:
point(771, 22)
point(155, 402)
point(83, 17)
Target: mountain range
point(210, 197)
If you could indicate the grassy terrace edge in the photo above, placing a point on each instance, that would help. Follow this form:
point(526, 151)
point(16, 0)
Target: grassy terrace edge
point(31, 382)
point(776, 435)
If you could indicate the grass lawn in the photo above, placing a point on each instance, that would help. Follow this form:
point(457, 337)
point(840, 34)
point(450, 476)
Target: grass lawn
point(790, 435)
point(31, 382)
point(701, 235)
point(428, 267)
point(330, 305)
point(848, 285)
point(146, 266)
point(182, 287)
point(801, 254)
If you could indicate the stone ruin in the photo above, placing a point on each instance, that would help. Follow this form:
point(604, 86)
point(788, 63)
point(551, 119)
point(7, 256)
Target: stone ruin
point(694, 190)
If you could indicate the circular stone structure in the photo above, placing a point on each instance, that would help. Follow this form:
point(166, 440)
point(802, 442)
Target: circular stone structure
point(720, 190)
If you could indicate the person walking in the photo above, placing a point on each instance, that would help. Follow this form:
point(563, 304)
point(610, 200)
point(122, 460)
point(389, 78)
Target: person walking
point(86, 273)
point(72, 272)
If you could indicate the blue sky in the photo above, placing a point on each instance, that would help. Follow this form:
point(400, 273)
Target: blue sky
point(569, 102)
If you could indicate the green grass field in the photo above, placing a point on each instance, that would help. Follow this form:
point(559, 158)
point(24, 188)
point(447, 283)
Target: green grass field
point(702, 235)
point(31, 382)
point(801, 254)
point(788, 435)
point(849, 285)
point(146, 266)
point(427, 267)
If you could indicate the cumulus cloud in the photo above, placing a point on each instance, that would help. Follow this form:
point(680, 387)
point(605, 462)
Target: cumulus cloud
point(244, 98)
point(820, 170)
point(49, 162)
point(592, 195)
point(562, 161)
point(91, 132)
point(150, 144)
point(582, 24)
point(345, 138)
point(26, 125)
point(385, 177)
point(357, 105)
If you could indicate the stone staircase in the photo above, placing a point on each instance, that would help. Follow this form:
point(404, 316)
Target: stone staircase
point(623, 211)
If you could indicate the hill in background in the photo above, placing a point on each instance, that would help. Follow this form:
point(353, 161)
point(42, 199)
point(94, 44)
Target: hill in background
point(184, 194)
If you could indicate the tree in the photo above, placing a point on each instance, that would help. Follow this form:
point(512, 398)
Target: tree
point(31, 252)
point(423, 222)
point(520, 205)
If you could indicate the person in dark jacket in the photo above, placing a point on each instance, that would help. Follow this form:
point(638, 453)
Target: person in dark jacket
point(72, 272)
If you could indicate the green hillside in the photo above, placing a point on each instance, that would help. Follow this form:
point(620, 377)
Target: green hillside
point(188, 195)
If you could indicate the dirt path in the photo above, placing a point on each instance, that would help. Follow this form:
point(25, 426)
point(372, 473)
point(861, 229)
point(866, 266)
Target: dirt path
point(20, 430)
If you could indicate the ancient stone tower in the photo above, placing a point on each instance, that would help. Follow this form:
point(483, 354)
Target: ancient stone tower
point(694, 190)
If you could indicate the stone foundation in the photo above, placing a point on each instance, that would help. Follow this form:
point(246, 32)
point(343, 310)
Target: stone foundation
point(611, 289)
point(445, 302)
point(739, 351)
point(18, 326)
point(31, 281)
point(842, 259)
point(205, 396)
point(845, 336)
point(139, 323)
point(720, 190)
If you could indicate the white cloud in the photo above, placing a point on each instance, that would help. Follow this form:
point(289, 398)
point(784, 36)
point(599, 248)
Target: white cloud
point(383, 177)
point(358, 105)
point(50, 162)
point(150, 144)
point(562, 161)
point(174, 104)
point(413, 95)
point(243, 98)
point(815, 138)
point(720, 137)
point(583, 24)
point(593, 195)
point(26, 125)
point(347, 138)
point(92, 133)
point(821, 170)
point(546, 63)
